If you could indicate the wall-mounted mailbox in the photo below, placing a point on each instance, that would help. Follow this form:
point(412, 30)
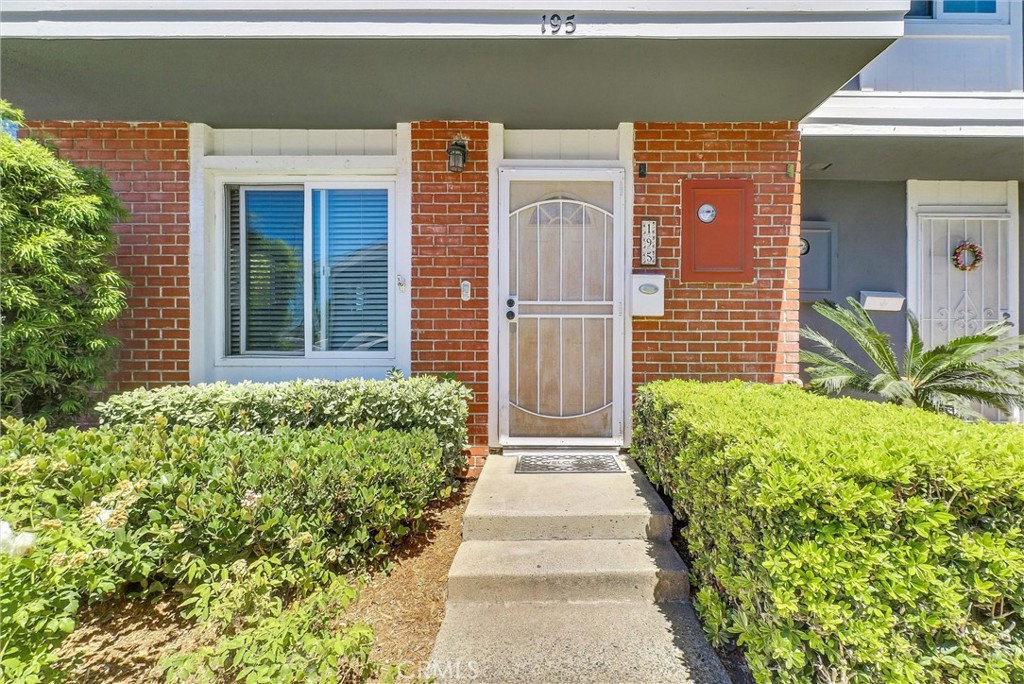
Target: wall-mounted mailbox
point(647, 296)
point(718, 230)
point(874, 300)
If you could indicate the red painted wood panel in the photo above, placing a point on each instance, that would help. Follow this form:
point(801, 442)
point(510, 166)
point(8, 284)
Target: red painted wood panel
point(721, 251)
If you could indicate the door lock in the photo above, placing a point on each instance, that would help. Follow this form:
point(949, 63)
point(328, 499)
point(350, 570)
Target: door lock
point(511, 304)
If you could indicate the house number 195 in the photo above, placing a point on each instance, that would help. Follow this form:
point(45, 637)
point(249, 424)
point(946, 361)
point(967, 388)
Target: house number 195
point(556, 24)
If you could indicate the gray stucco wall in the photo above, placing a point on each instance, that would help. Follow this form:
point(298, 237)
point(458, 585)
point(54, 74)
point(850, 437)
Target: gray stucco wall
point(870, 220)
point(871, 228)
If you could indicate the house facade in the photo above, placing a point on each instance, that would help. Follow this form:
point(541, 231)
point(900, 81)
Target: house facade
point(552, 204)
point(920, 153)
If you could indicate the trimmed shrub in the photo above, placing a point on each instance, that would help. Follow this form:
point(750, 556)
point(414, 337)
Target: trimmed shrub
point(58, 290)
point(845, 541)
point(421, 402)
point(146, 506)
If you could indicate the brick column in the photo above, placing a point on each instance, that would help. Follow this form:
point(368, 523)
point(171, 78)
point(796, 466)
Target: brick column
point(449, 245)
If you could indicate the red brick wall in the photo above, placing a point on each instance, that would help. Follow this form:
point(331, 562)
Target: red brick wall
point(709, 332)
point(148, 166)
point(719, 331)
point(449, 245)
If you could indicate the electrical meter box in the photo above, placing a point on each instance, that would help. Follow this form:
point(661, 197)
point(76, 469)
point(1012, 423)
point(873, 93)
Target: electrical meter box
point(718, 231)
point(647, 294)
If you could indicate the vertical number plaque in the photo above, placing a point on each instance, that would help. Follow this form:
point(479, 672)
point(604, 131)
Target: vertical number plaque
point(648, 243)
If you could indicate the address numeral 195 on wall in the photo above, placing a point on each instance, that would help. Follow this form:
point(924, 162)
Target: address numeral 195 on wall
point(556, 24)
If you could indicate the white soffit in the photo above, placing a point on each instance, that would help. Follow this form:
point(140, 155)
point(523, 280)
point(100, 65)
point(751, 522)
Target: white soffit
point(451, 19)
point(918, 114)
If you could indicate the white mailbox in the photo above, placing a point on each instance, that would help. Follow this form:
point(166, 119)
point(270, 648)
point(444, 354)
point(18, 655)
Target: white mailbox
point(647, 295)
point(874, 300)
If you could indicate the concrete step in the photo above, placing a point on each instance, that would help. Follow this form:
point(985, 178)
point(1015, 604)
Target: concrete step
point(574, 643)
point(507, 506)
point(567, 570)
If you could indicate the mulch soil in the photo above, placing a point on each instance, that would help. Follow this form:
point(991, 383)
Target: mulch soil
point(123, 640)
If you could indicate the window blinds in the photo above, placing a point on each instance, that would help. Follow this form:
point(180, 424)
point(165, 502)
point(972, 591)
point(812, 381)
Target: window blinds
point(272, 258)
point(350, 270)
point(266, 296)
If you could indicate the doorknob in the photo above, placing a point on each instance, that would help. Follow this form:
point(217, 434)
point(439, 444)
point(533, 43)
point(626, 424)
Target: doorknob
point(510, 315)
point(511, 304)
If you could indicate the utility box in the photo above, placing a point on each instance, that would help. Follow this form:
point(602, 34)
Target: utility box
point(647, 295)
point(819, 260)
point(718, 231)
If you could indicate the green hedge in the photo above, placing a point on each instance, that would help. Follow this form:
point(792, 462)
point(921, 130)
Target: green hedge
point(841, 540)
point(148, 506)
point(423, 402)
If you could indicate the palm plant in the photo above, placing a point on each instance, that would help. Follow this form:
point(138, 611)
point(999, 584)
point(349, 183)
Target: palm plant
point(986, 367)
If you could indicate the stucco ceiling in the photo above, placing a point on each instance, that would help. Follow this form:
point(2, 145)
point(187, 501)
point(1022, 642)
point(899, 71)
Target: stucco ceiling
point(374, 83)
point(921, 158)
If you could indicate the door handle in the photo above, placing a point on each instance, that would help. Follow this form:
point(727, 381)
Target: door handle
point(512, 308)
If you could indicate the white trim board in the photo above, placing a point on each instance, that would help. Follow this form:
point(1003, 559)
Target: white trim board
point(495, 156)
point(246, 142)
point(815, 130)
point(626, 147)
point(918, 114)
point(577, 145)
point(701, 19)
point(439, 6)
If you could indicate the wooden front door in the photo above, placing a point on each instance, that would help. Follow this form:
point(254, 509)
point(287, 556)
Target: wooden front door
point(560, 288)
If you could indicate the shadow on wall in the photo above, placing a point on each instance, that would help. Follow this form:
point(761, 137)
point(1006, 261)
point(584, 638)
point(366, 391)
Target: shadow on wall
point(870, 220)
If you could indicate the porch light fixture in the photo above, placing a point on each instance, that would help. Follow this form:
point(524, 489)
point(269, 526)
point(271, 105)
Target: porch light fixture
point(457, 153)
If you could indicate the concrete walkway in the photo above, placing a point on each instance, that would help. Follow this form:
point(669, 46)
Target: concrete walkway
point(569, 578)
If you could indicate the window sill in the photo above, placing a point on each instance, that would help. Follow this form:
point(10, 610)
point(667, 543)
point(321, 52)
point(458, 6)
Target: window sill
point(306, 361)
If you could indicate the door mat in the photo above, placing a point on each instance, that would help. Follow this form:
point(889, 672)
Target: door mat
point(565, 463)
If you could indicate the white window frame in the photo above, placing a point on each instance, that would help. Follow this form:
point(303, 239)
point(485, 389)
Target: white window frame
point(1000, 16)
point(307, 261)
point(243, 262)
point(399, 265)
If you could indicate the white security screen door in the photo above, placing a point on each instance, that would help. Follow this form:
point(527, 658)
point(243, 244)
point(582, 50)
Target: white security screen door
point(951, 302)
point(561, 265)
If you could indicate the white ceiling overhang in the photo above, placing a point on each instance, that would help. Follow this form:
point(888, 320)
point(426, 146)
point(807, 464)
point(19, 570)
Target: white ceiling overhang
point(367, 65)
point(925, 136)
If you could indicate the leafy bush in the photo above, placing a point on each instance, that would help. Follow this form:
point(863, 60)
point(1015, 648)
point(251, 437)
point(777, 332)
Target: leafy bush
point(422, 402)
point(57, 288)
point(300, 645)
point(150, 505)
point(986, 366)
point(843, 540)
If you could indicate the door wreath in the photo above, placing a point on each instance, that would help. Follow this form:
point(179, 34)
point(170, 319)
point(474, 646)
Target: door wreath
point(967, 256)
